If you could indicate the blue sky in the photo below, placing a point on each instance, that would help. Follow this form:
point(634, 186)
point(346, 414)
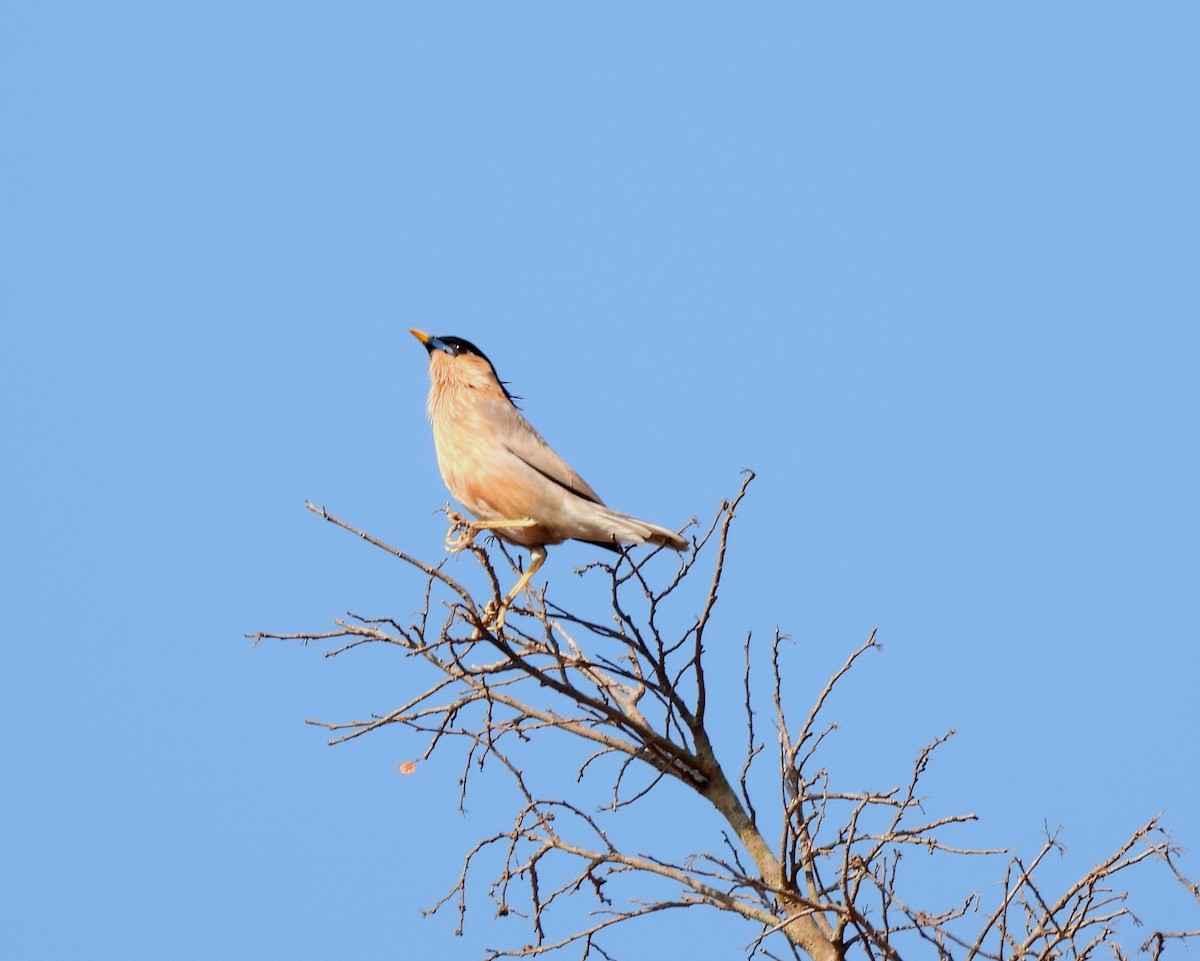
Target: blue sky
point(929, 270)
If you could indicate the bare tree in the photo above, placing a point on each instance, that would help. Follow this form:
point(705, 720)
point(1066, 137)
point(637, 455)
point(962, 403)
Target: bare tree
point(814, 867)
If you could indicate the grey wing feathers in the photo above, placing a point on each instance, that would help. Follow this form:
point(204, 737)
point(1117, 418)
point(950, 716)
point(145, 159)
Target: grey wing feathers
point(526, 444)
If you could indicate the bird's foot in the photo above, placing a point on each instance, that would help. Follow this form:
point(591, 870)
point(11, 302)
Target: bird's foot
point(494, 613)
point(462, 531)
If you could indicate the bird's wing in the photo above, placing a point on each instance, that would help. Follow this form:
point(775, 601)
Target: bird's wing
point(527, 445)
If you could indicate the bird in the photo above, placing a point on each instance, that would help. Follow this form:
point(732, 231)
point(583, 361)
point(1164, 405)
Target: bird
point(500, 469)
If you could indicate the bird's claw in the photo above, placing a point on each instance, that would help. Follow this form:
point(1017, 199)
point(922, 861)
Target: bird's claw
point(461, 533)
point(493, 615)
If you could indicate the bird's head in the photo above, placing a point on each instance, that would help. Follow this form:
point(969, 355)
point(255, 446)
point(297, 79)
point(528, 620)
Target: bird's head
point(456, 363)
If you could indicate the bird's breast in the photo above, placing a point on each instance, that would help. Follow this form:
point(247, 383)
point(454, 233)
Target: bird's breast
point(482, 473)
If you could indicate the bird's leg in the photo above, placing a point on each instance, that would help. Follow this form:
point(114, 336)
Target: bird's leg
point(462, 531)
point(537, 557)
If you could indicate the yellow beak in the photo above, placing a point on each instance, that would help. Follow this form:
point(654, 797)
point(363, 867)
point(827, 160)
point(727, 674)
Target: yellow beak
point(423, 337)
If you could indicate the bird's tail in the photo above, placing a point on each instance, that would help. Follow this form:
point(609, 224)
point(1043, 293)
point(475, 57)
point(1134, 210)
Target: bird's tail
point(622, 529)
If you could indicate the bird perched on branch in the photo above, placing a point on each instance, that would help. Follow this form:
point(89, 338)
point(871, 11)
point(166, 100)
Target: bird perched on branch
point(499, 468)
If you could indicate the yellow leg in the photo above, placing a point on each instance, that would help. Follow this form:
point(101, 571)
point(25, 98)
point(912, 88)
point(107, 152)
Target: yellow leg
point(537, 557)
point(462, 531)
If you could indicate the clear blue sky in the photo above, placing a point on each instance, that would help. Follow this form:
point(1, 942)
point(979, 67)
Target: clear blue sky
point(930, 270)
